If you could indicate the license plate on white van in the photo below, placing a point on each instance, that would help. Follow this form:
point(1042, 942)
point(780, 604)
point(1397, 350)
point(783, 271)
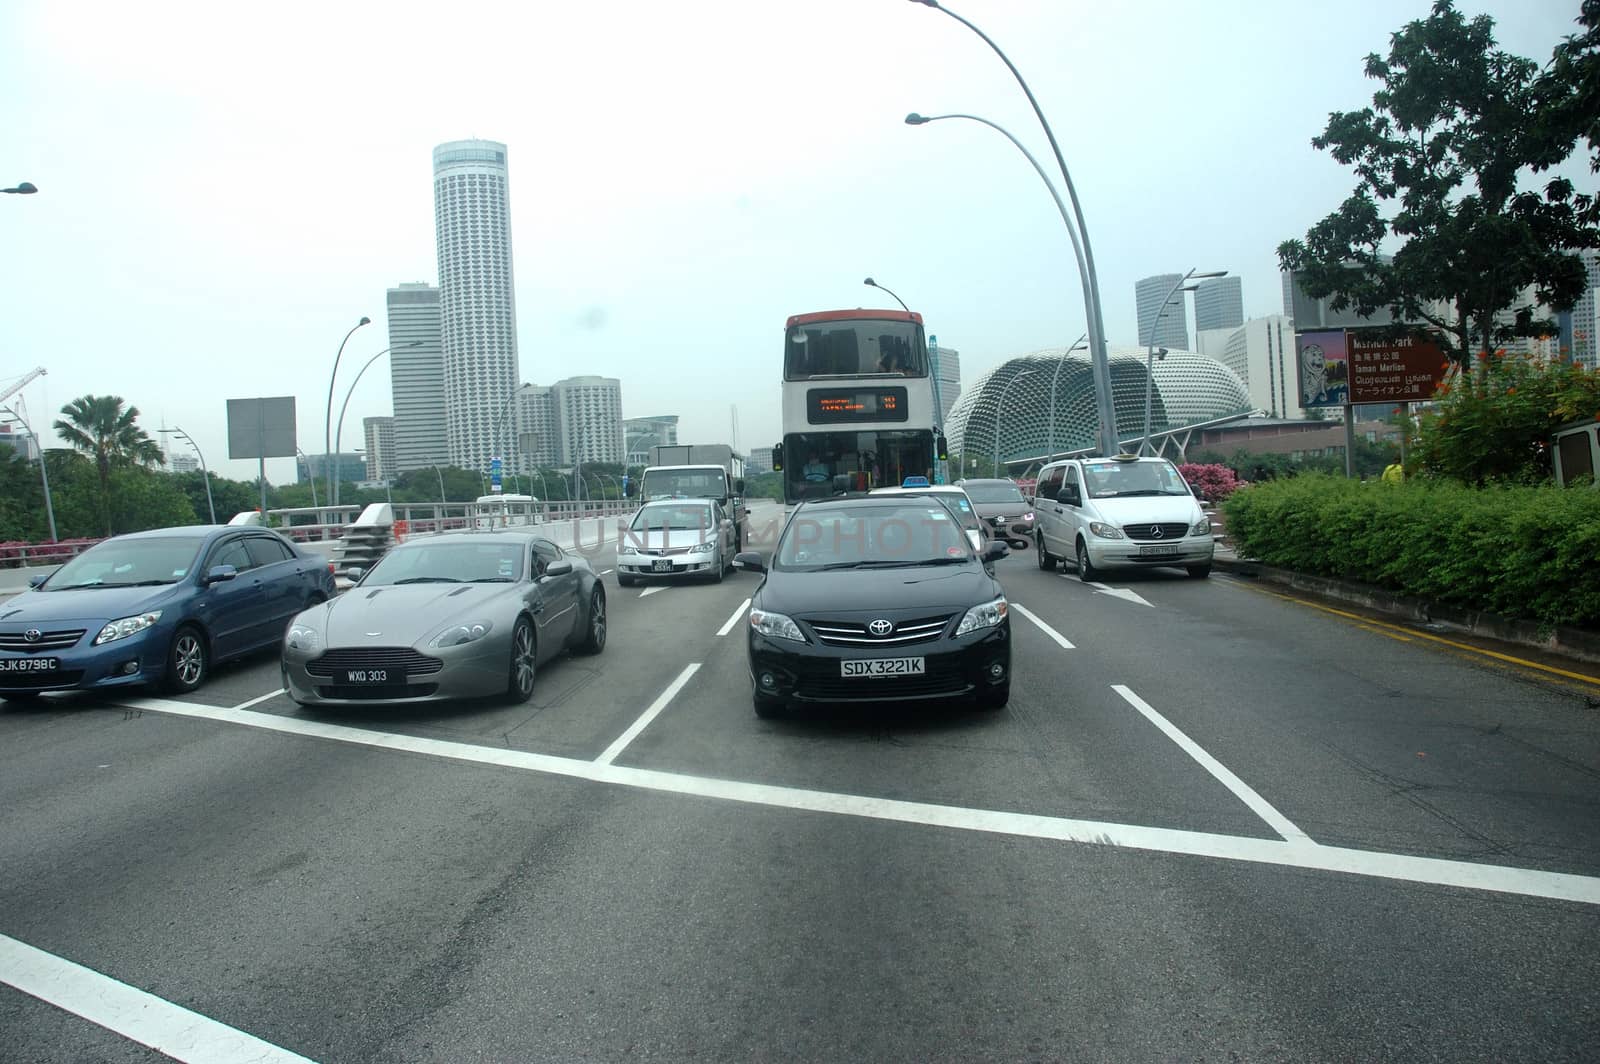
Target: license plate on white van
point(875, 667)
point(1160, 548)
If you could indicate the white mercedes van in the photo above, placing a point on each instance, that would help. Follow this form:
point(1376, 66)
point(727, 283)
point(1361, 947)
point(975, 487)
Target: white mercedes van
point(1120, 512)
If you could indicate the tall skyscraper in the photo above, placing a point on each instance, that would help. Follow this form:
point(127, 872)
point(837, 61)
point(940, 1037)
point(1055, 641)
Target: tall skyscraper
point(379, 432)
point(1218, 304)
point(1580, 339)
point(416, 376)
point(588, 413)
point(947, 364)
point(1172, 327)
point(477, 304)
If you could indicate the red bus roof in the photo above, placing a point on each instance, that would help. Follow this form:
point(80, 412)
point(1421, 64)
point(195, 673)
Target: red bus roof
point(854, 315)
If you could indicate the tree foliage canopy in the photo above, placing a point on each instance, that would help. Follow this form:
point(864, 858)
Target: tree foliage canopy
point(1441, 227)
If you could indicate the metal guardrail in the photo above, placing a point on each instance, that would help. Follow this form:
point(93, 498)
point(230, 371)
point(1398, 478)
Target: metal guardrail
point(18, 553)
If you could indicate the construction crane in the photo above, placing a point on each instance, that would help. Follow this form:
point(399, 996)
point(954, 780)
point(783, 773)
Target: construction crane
point(21, 383)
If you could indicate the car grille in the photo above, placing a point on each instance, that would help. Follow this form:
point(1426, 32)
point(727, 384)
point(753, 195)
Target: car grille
point(384, 693)
point(1169, 530)
point(40, 681)
point(855, 634)
point(401, 659)
point(821, 682)
point(61, 640)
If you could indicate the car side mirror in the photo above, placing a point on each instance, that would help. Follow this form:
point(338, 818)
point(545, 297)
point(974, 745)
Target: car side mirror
point(560, 567)
point(749, 560)
point(219, 573)
point(738, 486)
point(995, 551)
point(1199, 494)
point(354, 573)
point(35, 581)
point(1070, 495)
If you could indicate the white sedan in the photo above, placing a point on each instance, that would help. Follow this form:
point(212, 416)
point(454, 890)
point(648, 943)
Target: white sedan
point(676, 537)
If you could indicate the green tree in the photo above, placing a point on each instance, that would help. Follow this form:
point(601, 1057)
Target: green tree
point(1440, 157)
point(101, 427)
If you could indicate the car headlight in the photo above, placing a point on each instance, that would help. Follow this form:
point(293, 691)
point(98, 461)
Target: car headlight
point(628, 548)
point(776, 626)
point(1028, 516)
point(1105, 531)
point(1201, 527)
point(703, 548)
point(460, 634)
point(305, 639)
point(123, 627)
point(986, 616)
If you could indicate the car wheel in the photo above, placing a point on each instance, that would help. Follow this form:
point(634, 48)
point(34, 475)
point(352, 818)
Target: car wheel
point(765, 706)
point(717, 571)
point(994, 697)
point(624, 580)
point(1199, 572)
point(1047, 561)
point(595, 641)
point(317, 598)
point(188, 660)
point(1086, 570)
point(524, 662)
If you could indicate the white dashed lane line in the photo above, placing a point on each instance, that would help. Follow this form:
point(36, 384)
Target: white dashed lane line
point(1045, 628)
point(731, 621)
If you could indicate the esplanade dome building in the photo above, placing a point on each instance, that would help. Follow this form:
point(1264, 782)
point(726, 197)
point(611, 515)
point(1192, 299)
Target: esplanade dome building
point(1189, 389)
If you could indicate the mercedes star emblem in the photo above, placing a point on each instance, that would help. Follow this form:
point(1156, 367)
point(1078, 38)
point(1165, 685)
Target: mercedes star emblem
point(1155, 531)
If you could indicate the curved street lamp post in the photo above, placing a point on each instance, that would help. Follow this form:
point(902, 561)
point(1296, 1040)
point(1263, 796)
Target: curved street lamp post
point(44, 474)
point(327, 421)
point(1095, 319)
point(204, 471)
point(1183, 285)
point(311, 473)
point(338, 434)
point(998, 407)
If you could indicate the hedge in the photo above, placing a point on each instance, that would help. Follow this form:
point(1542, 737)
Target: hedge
point(1524, 552)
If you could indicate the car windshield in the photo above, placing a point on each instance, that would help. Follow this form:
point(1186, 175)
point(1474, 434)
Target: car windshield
point(673, 518)
point(441, 561)
point(1108, 480)
point(994, 492)
point(900, 534)
point(129, 562)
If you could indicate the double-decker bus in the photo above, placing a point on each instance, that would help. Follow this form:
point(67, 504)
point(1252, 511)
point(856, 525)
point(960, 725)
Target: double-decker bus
point(858, 404)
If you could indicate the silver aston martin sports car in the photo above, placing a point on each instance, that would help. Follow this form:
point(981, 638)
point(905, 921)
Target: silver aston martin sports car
point(458, 615)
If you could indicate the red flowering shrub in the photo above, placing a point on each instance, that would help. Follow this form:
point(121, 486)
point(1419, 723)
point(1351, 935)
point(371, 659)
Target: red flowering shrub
point(1216, 482)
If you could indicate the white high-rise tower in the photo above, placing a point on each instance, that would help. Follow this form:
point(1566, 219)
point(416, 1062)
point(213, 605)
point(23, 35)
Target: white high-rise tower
point(477, 303)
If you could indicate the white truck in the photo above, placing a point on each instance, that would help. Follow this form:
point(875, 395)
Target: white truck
point(697, 471)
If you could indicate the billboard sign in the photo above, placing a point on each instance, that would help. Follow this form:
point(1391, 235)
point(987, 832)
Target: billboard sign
point(261, 428)
point(1393, 367)
point(1324, 368)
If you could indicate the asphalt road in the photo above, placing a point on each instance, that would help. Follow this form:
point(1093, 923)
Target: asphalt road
point(1223, 825)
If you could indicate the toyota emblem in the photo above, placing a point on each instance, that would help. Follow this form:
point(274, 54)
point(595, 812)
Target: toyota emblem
point(1155, 531)
point(880, 627)
point(32, 635)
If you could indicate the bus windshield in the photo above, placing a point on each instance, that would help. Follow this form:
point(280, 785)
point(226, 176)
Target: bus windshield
point(820, 464)
point(856, 348)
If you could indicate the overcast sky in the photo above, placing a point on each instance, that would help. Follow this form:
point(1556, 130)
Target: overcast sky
point(225, 189)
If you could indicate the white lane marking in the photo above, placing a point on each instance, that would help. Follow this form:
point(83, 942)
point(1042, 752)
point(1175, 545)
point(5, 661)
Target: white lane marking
point(1051, 632)
point(1119, 592)
point(1241, 790)
point(648, 715)
point(1528, 882)
point(651, 591)
point(731, 621)
point(256, 701)
point(134, 1014)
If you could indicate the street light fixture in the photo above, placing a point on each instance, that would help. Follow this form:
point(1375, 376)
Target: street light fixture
point(338, 433)
point(1050, 428)
point(204, 471)
point(327, 421)
point(500, 418)
point(1183, 285)
point(23, 188)
point(933, 371)
point(1095, 319)
point(311, 471)
point(999, 406)
point(44, 475)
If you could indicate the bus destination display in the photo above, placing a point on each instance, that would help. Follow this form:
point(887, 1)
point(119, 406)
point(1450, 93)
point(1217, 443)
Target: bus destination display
point(826, 405)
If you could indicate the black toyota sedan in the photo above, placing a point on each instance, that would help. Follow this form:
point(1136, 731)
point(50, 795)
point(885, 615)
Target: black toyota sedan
point(877, 599)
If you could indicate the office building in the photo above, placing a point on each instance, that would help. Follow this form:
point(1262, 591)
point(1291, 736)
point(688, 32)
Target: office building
point(946, 363)
point(348, 466)
point(588, 419)
point(416, 378)
point(1262, 353)
point(177, 463)
point(1218, 304)
point(1309, 313)
point(19, 440)
point(760, 461)
point(1168, 327)
point(537, 444)
point(477, 306)
point(379, 433)
point(642, 433)
point(1579, 335)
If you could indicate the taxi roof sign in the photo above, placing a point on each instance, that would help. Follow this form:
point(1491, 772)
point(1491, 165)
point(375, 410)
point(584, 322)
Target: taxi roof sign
point(915, 482)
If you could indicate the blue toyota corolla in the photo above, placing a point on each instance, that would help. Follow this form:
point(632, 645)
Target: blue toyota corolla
point(158, 608)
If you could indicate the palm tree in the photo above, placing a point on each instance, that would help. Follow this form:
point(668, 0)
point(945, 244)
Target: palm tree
point(102, 428)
